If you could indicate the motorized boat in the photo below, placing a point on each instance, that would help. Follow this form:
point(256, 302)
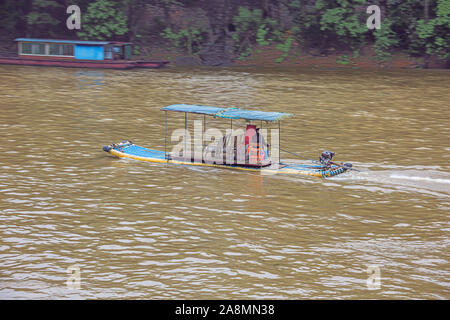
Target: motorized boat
point(237, 149)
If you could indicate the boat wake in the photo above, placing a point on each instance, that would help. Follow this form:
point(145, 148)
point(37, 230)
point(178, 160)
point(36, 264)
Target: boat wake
point(431, 180)
point(427, 180)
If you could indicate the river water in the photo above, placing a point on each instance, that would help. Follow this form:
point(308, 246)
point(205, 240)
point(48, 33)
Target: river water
point(140, 230)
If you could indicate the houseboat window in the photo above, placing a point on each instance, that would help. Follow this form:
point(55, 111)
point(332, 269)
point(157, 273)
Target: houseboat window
point(26, 48)
point(38, 48)
point(61, 49)
point(108, 52)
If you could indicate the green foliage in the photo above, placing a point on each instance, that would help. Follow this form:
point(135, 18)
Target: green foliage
point(385, 40)
point(434, 34)
point(403, 15)
point(347, 25)
point(261, 35)
point(268, 32)
point(330, 24)
point(244, 54)
point(284, 47)
point(323, 25)
point(307, 26)
point(247, 24)
point(9, 15)
point(38, 18)
point(136, 50)
point(252, 27)
point(343, 59)
point(247, 19)
point(43, 16)
point(189, 39)
point(102, 21)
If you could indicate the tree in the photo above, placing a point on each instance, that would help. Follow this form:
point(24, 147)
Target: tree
point(103, 21)
point(385, 40)
point(13, 15)
point(324, 24)
point(434, 33)
point(247, 23)
point(307, 24)
point(189, 39)
point(42, 18)
point(135, 10)
point(233, 27)
point(402, 16)
point(341, 20)
point(219, 12)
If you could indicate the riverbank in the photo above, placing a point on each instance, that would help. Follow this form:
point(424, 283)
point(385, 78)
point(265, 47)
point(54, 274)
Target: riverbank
point(271, 56)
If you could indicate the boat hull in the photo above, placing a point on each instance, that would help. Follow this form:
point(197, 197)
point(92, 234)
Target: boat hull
point(114, 64)
point(136, 152)
point(149, 64)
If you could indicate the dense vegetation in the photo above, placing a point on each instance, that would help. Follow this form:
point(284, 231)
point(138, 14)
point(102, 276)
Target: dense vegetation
point(220, 31)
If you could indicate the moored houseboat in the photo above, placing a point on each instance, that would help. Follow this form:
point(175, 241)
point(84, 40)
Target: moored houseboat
point(77, 54)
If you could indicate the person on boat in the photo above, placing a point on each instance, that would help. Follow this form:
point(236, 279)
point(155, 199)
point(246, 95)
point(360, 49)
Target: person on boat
point(255, 146)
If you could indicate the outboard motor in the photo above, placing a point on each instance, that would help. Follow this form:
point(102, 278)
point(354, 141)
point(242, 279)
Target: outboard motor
point(326, 157)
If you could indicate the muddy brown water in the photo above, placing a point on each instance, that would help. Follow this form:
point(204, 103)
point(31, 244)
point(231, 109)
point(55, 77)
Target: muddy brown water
point(149, 231)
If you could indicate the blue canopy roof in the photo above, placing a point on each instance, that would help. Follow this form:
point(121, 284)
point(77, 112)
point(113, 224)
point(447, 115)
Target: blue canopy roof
point(211, 111)
point(228, 113)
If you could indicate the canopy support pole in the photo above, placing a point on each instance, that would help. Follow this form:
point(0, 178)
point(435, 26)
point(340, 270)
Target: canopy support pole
point(232, 142)
point(260, 143)
point(279, 139)
point(185, 136)
point(203, 136)
point(165, 136)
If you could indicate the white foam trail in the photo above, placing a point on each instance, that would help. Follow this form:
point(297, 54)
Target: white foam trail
point(437, 180)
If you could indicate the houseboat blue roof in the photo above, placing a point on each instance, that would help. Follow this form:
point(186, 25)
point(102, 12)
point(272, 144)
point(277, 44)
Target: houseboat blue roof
point(228, 113)
point(64, 41)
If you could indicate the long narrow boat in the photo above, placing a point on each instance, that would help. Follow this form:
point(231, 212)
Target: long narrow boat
point(241, 150)
point(93, 64)
point(77, 54)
